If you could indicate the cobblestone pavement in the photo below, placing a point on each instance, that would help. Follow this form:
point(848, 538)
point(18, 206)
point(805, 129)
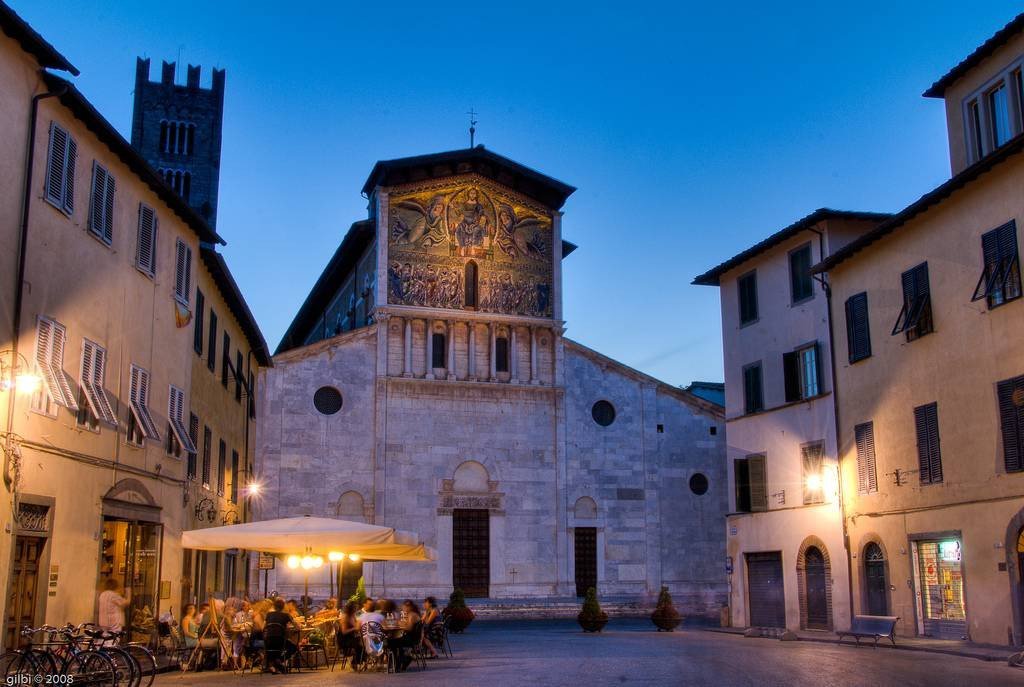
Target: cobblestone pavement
point(532, 654)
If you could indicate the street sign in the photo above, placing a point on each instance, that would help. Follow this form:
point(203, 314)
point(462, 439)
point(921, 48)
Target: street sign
point(267, 561)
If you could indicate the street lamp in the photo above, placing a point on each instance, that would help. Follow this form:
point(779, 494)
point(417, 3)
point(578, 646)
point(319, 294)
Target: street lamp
point(18, 376)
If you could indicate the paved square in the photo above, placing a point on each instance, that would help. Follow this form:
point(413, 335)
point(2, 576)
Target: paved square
point(631, 652)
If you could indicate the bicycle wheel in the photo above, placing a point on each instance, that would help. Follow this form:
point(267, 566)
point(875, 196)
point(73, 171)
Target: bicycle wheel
point(146, 661)
point(43, 661)
point(14, 663)
point(128, 674)
point(91, 668)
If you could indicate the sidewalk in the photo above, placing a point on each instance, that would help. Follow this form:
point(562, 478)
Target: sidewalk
point(983, 652)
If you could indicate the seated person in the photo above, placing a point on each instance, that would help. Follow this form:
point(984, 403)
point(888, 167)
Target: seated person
point(190, 626)
point(280, 617)
point(367, 606)
point(412, 626)
point(348, 633)
point(371, 614)
point(432, 625)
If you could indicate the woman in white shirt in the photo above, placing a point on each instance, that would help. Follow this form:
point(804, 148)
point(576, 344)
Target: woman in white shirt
point(112, 605)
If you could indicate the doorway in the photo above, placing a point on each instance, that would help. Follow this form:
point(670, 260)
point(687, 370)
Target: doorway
point(876, 588)
point(940, 588)
point(471, 551)
point(24, 588)
point(586, 559)
point(766, 595)
point(817, 594)
point(131, 555)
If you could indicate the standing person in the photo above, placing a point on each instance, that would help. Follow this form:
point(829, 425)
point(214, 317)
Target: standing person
point(280, 617)
point(112, 605)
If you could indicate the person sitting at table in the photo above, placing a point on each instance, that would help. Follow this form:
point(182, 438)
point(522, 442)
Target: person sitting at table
point(371, 614)
point(368, 606)
point(284, 619)
point(387, 607)
point(292, 608)
point(432, 625)
point(241, 626)
point(412, 629)
point(331, 605)
point(347, 636)
point(190, 626)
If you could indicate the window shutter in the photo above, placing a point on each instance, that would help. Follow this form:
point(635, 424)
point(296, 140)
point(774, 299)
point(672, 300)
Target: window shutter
point(197, 324)
point(791, 373)
point(96, 204)
point(138, 393)
point(858, 334)
point(69, 176)
point(867, 480)
point(176, 414)
point(817, 369)
point(108, 209)
point(193, 434)
point(207, 441)
point(211, 343)
point(66, 396)
point(758, 487)
point(56, 165)
point(929, 459)
point(93, 371)
point(1011, 400)
point(182, 271)
point(147, 239)
point(222, 456)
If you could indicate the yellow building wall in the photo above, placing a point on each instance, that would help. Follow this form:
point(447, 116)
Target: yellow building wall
point(958, 366)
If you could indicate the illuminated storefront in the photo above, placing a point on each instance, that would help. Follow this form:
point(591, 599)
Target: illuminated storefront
point(939, 587)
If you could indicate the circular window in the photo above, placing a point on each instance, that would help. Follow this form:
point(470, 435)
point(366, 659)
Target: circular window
point(603, 413)
point(699, 484)
point(327, 400)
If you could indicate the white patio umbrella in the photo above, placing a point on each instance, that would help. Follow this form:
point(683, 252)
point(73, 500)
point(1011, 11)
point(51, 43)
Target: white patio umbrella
point(312, 539)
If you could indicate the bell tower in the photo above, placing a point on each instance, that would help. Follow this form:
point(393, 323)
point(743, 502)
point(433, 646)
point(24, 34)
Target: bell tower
point(177, 128)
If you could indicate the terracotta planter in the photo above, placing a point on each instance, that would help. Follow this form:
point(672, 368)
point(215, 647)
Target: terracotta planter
point(459, 619)
point(666, 621)
point(592, 623)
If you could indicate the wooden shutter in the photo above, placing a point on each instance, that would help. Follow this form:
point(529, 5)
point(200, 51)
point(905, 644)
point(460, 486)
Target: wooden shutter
point(225, 360)
point(56, 164)
point(94, 362)
point(176, 414)
point(69, 176)
point(197, 325)
point(50, 356)
point(758, 484)
point(182, 271)
point(211, 343)
point(97, 200)
point(146, 259)
point(193, 434)
point(207, 441)
point(929, 459)
point(234, 476)
point(791, 373)
point(138, 394)
point(858, 333)
point(867, 479)
point(222, 459)
point(1011, 403)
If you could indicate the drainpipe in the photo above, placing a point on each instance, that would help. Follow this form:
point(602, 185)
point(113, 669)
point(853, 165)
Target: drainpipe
point(827, 288)
point(19, 286)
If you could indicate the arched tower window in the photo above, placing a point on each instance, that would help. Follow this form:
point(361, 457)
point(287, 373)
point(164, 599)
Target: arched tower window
point(163, 136)
point(172, 137)
point(471, 284)
point(186, 185)
point(191, 144)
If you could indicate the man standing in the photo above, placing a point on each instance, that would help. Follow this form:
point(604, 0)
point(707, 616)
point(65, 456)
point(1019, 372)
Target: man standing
point(112, 605)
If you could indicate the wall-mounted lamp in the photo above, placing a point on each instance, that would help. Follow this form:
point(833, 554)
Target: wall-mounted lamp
point(230, 517)
point(206, 510)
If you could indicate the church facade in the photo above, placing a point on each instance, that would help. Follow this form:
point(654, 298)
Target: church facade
point(426, 384)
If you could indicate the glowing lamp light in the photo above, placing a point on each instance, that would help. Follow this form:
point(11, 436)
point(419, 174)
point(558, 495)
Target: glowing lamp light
point(318, 561)
point(27, 383)
point(814, 482)
point(254, 488)
point(335, 556)
point(294, 562)
point(307, 562)
point(353, 557)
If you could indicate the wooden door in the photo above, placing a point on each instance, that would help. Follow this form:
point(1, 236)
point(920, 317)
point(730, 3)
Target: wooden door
point(23, 588)
point(875, 586)
point(767, 597)
point(817, 594)
point(471, 551)
point(586, 559)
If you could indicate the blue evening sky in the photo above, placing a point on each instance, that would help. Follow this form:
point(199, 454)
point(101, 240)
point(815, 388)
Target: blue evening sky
point(692, 130)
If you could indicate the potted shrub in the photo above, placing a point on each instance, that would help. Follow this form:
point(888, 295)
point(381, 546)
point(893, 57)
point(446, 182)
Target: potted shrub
point(592, 618)
point(459, 615)
point(665, 615)
point(360, 594)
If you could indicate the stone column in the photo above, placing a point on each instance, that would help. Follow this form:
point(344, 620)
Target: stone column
point(493, 329)
point(430, 348)
point(471, 343)
point(407, 341)
point(513, 356)
point(451, 350)
point(534, 376)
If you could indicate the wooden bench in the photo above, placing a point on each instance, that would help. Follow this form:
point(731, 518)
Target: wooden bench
point(872, 627)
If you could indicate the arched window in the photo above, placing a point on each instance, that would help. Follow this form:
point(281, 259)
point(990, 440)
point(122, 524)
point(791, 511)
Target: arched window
point(191, 145)
point(186, 185)
point(172, 137)
point(439, 354)
point(163, 136)
point(470, 476)
point(471, 284)
point(181, 137)
point(501, 354)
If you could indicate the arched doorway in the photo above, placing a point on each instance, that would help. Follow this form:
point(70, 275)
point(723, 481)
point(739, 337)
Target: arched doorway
point(471, 536)
point(876, 587)
point(817, 593)
point(585, 546)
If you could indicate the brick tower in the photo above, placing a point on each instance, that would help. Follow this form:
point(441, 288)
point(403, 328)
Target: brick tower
point(178, 130)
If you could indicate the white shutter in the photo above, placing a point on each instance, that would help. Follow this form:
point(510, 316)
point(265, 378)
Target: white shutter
point(44, 345)
point(176, 412)
point(138, 394)
point(94, 363)
point(57, 365)
point(50, 360)
point(182, 271)
point(146, 258)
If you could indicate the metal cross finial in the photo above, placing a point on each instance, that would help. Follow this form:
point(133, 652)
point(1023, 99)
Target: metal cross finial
point(472, 126)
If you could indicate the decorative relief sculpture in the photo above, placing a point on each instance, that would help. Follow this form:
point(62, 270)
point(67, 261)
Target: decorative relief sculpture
point(436, 229)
